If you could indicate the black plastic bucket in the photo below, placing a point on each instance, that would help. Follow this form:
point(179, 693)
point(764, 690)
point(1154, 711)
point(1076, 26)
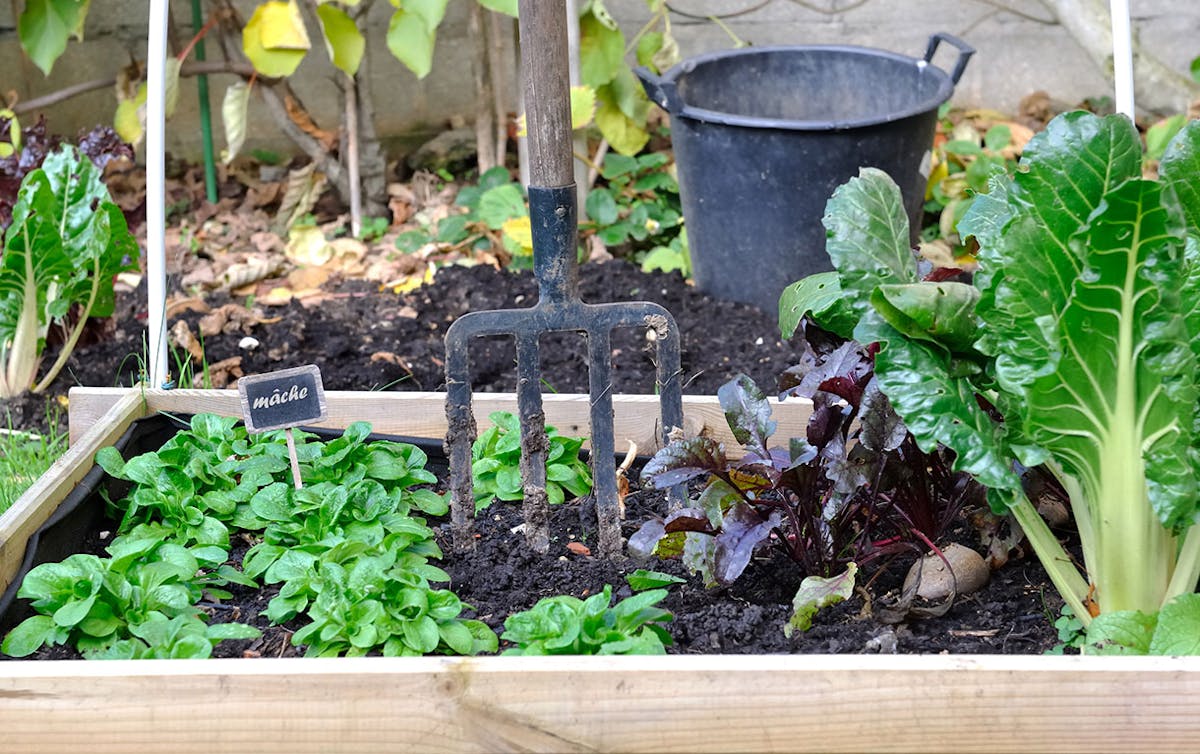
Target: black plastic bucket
point(763, 136)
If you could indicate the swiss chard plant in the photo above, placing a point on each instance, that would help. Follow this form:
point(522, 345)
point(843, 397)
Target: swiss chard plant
point(496, 463)
point(66, 241)
point(566, 625)
point(1074, 347)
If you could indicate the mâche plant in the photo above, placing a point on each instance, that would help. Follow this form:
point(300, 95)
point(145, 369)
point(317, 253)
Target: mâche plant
point(1075, 347)
point(496, 463)
point(566, 625)
point(352, 559)
point(112, 604)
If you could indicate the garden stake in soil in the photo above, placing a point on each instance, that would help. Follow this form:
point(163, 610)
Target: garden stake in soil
point(552, 211)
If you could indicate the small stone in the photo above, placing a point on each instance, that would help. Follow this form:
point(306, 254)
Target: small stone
point(248, 343)
point(938, 582)
point(447, 150)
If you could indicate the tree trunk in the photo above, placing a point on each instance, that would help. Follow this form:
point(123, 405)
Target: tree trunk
point(372, 161)
point(1159, 89)
point(485, 145)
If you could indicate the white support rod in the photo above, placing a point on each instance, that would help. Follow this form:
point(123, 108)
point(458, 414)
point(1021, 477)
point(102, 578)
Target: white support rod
point(156, 221)
point(1122, 36)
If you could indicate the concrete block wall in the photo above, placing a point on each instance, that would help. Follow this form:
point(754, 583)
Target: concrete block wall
point(1018, 52)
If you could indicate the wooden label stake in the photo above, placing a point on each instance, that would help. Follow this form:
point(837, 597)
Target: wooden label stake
point(283, 400)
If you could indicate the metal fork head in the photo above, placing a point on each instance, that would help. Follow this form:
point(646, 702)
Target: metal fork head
point(558, 309)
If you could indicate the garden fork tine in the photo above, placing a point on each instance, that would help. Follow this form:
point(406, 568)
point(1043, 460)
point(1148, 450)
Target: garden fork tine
point(552, 211)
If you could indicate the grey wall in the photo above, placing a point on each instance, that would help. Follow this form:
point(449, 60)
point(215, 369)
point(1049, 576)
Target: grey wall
point(1019, 49)
point(1018, 53)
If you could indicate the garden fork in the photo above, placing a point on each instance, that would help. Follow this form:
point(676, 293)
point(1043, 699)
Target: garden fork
point(552, 210)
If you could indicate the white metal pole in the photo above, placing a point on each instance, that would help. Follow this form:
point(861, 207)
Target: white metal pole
point(1122, 36)
point(156, 268)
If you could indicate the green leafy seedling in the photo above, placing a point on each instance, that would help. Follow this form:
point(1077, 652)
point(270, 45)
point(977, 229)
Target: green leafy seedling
point(566, 625)
point(496, 464)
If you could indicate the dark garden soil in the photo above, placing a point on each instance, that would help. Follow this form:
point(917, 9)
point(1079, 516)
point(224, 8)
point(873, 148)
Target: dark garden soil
point(503, 576)
point(363, 339)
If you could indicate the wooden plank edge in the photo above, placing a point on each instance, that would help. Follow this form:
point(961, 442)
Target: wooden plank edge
point(422, 414)
point(827, 703)
point(32, 509)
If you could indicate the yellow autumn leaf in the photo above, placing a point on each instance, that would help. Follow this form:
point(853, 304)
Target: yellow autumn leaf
point(130, 118)
point(171, 96)
point(267, 60)
point(413, 282)
point(282, 26)
point(519, 231)
point(306, 245)
point(940, 171)
point(7, 149)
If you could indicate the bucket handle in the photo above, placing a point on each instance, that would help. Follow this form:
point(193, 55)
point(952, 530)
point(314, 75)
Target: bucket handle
point(661, 91)
point(965, 52)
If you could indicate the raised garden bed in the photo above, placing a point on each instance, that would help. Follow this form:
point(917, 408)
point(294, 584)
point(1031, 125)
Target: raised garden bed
point(692, 703)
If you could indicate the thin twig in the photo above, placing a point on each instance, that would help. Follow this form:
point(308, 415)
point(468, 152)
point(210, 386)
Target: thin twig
point(245, 70)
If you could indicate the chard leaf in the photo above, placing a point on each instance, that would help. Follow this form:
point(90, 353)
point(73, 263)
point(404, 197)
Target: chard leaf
point(717, 498)
point(698, 553)
point(819, 296)
point(1179, 170)
point(686, 519)
point(748, 414)
point(938, 405)
point(1125, 376)
point(815, 593)
point(843, 373)
point(940, 312)
point(1028, 270)
point(868, 237)
point(642, 542)
point(1178, 631)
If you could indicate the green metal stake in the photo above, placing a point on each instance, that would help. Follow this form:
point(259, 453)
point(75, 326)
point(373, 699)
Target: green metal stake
point(210, 165)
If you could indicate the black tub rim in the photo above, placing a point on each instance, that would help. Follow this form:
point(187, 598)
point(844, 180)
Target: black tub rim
point(678, 108)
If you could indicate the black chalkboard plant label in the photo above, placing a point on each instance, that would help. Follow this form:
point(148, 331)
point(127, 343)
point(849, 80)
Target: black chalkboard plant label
point(282, 400)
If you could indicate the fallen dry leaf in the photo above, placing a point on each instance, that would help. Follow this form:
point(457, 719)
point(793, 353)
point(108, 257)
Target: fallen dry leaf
point(232, 318)
point(278, 296)
point(266, 242)
point(306, 245)
point(182, 337)
point(252, 270)
point(178, 304)
point(308, 277)
point(224, 372)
